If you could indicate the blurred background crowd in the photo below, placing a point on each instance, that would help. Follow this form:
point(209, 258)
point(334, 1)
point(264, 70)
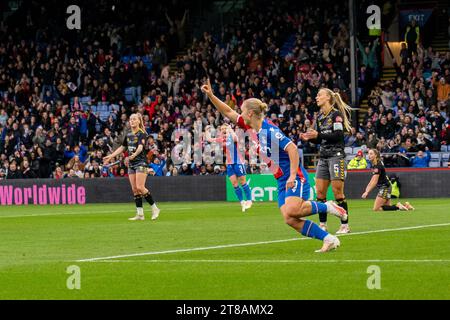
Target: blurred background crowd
point(66, 95)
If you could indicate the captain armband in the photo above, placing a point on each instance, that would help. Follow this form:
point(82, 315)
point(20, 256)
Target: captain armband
point(338, 126)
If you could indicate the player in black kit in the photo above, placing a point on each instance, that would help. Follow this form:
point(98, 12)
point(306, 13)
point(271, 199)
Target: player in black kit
point(332, 122)
point(134, 142)
point(381, 181)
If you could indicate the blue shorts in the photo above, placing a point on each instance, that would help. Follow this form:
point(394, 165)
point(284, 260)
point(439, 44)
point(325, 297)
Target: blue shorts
point(301, 190)
point(236, 169)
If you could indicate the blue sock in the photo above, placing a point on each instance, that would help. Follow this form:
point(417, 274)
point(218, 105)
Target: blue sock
point(247, 192)
point(238, 192)
point(312, 230)
point(318, 207)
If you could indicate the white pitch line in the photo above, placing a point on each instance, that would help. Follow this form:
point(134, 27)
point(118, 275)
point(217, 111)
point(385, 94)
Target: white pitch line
point(81, 213)
point(280, 261)
point(251, 243)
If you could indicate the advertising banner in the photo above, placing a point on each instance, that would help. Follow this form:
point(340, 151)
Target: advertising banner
point(264, 188)
point(117, 190)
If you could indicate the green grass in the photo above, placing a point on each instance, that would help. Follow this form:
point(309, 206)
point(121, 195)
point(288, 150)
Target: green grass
point(37, 244)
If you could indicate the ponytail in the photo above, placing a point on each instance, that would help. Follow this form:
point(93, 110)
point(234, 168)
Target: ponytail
point(264, 107)
point(257, 106)
point(344, 109)
point(141, 123)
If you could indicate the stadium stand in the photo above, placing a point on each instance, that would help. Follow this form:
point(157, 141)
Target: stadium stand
point(67, 91)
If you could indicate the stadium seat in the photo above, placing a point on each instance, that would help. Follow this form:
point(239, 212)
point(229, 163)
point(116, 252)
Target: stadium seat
point(435, 155)
point(444, 148)
point(126, 59)
point(85, 99)
point(104, 115)
point(435, 163)
point(128, 95)
point(355, 150)
point(348, 150)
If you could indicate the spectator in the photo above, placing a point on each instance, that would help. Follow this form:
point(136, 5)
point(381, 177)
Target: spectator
point(79, 151)
point(369, 57)
point(71, 174)
point(123, 173)
point(158, 166)
point(185, 170)
point(58, 173)
point(360, 140)
point(13, 172)
point(404, 54)
point(26, 170)
point(77, 171)
point(421, 160)
point(358, 162)
point(412, 37)
point(443, 90)
point(173, 172)
point(401, 159)
point(46, 156)
point(159, 57)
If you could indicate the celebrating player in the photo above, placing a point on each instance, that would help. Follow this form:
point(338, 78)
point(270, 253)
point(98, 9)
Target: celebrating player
point(235, 165)
point(380, 180)
point(293, 186)
point(334, 118)
point(135, 142)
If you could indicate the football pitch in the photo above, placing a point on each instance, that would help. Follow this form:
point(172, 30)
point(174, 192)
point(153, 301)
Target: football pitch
point(211, 250)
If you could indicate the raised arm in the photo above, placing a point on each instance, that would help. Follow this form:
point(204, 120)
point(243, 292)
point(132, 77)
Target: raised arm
point(183, 21)
point(223, 108)
point(169, 20)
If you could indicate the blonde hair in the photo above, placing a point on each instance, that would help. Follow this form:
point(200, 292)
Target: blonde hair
point(257, 106)
point(141, 121)
point(344, 109)
point(377, 156)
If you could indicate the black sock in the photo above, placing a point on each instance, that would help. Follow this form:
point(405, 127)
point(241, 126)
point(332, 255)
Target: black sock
point(138, 200)
point(343, 204)
point(322, 215)
point(389, 208)
point(149, 198)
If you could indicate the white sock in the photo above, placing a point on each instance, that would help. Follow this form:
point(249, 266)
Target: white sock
point(140, 211)
point(154, 206)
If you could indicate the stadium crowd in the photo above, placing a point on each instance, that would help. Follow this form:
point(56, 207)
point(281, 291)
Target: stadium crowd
point(52, 81)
